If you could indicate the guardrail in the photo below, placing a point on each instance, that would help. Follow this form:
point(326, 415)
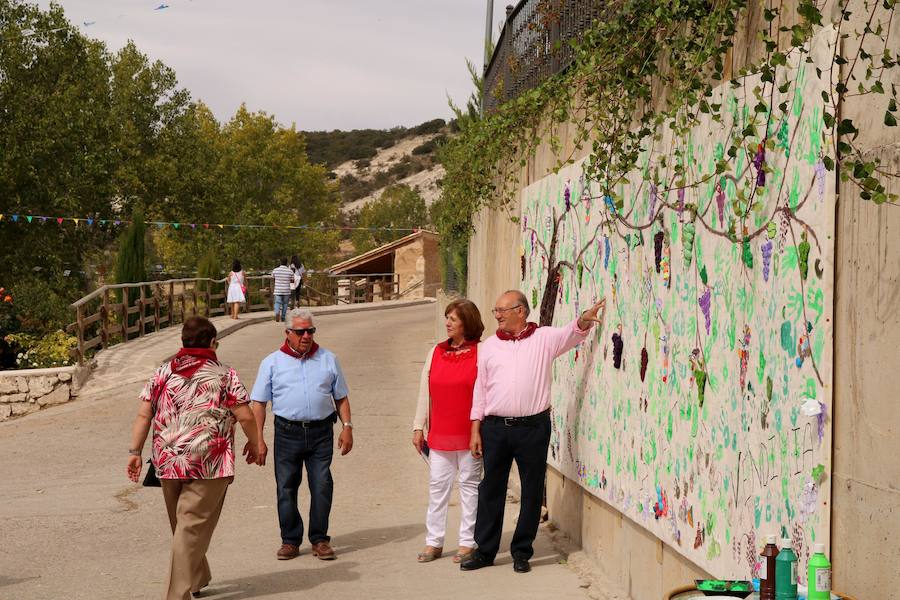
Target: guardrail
point(534, 45)
point(114, 314)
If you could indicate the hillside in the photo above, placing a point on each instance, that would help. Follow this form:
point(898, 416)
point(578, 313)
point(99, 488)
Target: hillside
point(367, 161)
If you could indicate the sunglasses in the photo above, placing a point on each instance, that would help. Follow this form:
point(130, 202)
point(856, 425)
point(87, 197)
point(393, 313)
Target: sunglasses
point(300, 332)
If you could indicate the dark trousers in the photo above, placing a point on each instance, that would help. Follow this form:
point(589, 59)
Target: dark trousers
point(296, 446)
point(501, 444)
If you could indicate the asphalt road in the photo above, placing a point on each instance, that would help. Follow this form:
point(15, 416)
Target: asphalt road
point(73, 527)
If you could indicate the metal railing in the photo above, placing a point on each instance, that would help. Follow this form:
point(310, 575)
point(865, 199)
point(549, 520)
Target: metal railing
point(535, 45)
point(114, 314)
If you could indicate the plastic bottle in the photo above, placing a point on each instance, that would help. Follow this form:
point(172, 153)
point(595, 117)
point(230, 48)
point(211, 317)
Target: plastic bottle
point(767, 571)
point(819, 575)
point(786, 572)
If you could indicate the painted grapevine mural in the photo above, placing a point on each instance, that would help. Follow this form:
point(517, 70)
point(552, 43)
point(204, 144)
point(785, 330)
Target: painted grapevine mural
point(701, 409)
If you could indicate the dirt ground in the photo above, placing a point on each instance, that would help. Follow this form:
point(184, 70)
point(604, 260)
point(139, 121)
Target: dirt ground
point(73, 527)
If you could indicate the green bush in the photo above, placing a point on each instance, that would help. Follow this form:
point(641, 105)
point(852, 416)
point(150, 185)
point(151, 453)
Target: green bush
point(52, 350)
point(40, 307)
point(427, 127)
point(209, 267)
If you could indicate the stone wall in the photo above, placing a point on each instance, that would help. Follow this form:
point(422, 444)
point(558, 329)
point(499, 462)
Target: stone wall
point(29, 390)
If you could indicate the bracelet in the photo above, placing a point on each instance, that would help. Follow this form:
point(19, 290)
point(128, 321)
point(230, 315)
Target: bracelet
point(134, 452)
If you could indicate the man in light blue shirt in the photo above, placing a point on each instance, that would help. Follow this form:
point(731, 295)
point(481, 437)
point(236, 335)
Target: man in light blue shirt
point(308, 393)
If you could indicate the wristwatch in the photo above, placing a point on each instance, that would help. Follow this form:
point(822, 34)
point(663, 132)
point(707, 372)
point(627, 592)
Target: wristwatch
point(348, 424)
point(134, 452)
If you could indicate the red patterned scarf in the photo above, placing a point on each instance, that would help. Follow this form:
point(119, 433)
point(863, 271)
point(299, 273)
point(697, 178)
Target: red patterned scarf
point(291, 352)
point(529, 329)
point(188, 360)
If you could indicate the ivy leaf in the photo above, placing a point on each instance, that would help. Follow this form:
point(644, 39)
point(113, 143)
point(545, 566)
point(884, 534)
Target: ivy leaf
point(846, 126)
point(889, 119)
point(828, 162)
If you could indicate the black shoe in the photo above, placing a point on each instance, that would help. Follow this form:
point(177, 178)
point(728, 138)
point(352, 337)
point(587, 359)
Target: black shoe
point(520, 565)
point(476, 562)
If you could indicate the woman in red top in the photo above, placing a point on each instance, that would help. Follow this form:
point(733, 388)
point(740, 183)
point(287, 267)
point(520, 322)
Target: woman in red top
point(445, 400)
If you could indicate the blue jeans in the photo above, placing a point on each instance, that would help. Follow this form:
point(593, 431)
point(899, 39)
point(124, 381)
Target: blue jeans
point(296, 446)
point(281, 305)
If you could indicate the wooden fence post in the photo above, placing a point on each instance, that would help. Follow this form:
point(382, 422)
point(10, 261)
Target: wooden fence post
point(124, 315)
point(104, 320)
point(171, 320)
point(142, 297)
point(79, 324)
point(156, 308)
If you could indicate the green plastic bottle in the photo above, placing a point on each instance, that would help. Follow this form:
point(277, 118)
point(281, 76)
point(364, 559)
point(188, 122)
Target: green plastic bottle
point(819, 570)
point(786, 572)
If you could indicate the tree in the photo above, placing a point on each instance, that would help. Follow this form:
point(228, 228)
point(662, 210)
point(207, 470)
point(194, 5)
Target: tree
point(393, 215)
point(130, 267)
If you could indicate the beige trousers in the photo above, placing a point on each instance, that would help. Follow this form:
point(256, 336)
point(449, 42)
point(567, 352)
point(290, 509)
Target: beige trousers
point(194, 506)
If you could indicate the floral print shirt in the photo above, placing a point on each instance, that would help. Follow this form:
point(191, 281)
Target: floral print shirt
point(193, 427)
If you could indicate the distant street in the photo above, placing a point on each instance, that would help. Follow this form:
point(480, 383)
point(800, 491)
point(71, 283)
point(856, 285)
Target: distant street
point(75, 528)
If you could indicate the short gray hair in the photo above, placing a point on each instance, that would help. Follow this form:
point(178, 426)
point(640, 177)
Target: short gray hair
point(304, 314)
point(523, 300)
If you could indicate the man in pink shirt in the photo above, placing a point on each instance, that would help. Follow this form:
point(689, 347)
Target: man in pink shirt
point(511, 421)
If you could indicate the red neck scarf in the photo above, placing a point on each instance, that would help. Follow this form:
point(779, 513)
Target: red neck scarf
point(529, 329)
point(188, 360)
point(291, 352)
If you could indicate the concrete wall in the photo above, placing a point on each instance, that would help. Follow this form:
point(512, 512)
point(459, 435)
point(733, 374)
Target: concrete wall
point(866, 419)
point(417, 262)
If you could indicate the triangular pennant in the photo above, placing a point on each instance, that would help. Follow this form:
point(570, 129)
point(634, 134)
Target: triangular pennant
point(15, 218)
point(29, 218)
point(59, 220)
point(118, 222)
point(1, 217)
point(43, 219)
point(176, 225)
point(206, 226)
point(103, 221)
point(221, 226)
point(90, 221)
point(193, 226)
point(77, 220)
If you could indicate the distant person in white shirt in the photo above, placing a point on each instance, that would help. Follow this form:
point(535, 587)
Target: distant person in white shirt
point(297, 282)
point(282, 276)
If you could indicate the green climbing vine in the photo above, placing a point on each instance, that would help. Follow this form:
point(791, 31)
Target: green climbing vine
point(649, 71)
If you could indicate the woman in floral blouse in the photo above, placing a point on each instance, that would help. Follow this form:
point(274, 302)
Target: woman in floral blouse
point(192, 402)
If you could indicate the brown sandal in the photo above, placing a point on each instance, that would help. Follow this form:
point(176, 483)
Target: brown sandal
point(429, 554)
point(461, 555)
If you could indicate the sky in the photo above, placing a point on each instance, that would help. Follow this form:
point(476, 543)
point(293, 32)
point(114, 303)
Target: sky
point(320, 64)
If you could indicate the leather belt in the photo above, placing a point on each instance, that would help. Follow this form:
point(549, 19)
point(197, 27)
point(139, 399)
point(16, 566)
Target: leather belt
point(519, 421)
point(329, 420)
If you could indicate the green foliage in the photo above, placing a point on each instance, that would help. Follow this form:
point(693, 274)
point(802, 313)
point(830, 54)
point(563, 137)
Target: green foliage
point(430, 146)
point(652, 67)
point(209, 267)
point(398, 207)
point(51, 350)
point(429, 127)
point(130, 266)
point(40, 306)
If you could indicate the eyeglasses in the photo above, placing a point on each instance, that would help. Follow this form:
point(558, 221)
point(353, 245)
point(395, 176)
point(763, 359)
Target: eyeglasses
point(500, 311)
point(300, 332)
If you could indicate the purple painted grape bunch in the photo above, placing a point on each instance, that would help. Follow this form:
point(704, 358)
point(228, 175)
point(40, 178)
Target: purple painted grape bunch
point(704, 300)
point(767, 258)
point(759, 162)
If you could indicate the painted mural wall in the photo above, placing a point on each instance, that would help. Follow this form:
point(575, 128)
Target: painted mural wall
point(701, 409)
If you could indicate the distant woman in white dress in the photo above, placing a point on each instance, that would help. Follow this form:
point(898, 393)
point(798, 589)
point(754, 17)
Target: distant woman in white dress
point(237, 287)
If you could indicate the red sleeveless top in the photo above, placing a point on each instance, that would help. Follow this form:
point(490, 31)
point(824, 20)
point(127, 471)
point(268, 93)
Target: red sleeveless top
point(451, 382)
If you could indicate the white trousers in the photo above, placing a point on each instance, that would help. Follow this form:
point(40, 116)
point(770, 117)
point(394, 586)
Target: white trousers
point(445, 467)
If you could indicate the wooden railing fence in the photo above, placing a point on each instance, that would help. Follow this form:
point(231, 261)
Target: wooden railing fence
point(117, 313)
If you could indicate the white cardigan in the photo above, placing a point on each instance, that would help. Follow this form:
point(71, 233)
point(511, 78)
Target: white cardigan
point(422, 406)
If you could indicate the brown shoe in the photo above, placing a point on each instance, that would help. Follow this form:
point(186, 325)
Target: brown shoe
point(323, 551)
point(287, 552)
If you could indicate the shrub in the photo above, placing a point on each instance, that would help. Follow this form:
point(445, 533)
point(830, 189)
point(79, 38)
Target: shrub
point(209, 267)
point(427, 127)
point(39, 306)
point(52, 350)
